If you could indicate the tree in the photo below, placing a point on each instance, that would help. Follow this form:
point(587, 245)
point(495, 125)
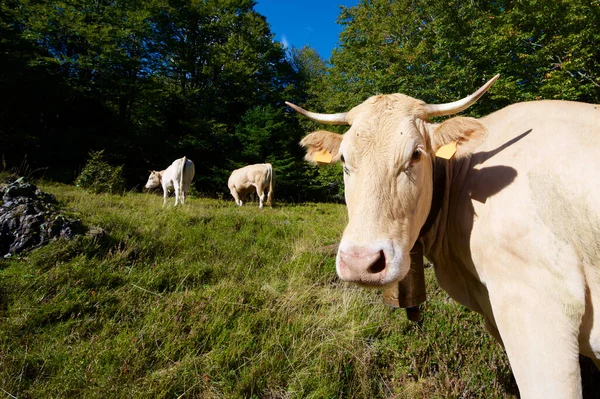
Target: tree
point(220, 52)
point(217, 61)
point(439, 51)
point(312, 76)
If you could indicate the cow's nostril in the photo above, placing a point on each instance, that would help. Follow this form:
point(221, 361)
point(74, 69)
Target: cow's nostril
point(378, 265)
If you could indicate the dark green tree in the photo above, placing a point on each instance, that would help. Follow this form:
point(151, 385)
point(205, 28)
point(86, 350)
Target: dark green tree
point(312, 78)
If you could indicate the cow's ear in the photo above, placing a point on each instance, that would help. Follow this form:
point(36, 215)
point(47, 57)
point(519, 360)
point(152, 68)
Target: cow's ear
point(467, 133)
point(320, 144)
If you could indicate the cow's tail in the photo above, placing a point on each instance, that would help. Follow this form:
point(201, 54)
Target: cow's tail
point(184, 161)
point(271, 182)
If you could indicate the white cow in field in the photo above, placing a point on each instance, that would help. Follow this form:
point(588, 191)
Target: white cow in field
point(517, 235)
point(176, 177)
point(248, 178)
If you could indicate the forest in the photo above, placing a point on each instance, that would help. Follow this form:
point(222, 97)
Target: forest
point(150, 81)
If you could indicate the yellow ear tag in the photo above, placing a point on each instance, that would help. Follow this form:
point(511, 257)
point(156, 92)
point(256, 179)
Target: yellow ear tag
point(446, 151)
point(322, 156)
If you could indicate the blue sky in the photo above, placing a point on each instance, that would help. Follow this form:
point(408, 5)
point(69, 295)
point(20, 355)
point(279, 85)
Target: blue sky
point(305, 22)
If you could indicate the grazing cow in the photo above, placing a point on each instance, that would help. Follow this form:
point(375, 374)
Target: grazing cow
point(176, 177)
point(517, 234)
point(259, 176)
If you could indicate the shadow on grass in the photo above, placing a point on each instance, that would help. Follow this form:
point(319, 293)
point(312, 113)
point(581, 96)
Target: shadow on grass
point(590, 378)
point(507, 381)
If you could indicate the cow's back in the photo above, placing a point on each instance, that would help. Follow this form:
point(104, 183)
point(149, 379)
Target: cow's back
point(249, 175)
point(260, 173)
point(541, 157)
point(173, 171)
point(558, 133)
point(535, 178)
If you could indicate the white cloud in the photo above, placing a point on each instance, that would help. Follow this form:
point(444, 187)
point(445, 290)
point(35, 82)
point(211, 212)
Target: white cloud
point(285, 42)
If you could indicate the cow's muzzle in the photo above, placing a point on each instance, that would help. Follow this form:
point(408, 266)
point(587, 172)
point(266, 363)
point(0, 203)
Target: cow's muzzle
point(366, 266)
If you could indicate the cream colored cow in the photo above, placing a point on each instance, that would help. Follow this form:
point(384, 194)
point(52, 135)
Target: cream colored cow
point(257, 177)
point(177, 177)
point(517, 237)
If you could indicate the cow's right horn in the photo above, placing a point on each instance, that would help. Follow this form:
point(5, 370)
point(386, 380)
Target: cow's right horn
point(329, 119)
point(460, 105)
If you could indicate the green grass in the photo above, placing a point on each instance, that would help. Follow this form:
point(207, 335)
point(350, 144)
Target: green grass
point(215, 301)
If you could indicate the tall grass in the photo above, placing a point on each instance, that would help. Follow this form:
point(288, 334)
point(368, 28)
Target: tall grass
point(215, 301)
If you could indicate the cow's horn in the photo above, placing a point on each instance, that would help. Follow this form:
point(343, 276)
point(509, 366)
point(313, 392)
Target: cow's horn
point(329, 119)
point(460, 105)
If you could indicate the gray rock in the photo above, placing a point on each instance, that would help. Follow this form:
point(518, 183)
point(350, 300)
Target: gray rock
point(30, 218)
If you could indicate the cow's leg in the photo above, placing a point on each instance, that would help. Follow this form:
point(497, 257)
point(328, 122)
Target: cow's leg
point(539, 329)
point(177, 190)
point(261, 196)
point(165, 192)
point(184, 192)
point(236, 197)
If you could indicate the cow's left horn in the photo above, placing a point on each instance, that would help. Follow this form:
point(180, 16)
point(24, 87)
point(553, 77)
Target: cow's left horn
point(329, 119)
point(460, 105)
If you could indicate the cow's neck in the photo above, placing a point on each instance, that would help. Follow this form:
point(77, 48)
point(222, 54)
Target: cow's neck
point(446, 244)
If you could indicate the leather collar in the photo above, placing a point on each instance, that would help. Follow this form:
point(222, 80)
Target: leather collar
point(439, 188)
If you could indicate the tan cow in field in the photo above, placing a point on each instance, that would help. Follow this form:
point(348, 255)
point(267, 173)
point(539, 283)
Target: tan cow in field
point(257, 177)
point(177, 177)
point(517, 236)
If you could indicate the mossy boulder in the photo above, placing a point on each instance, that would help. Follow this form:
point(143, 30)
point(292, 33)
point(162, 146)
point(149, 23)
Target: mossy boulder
point(30, 217)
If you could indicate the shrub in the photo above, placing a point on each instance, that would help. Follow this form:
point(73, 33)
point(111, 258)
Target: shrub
point(98, 176)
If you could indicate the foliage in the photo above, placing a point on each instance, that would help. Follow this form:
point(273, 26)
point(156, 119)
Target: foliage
point(264, 135)
point(215, 301)
point(330, 178)
point(98, 176)
point(440, 51)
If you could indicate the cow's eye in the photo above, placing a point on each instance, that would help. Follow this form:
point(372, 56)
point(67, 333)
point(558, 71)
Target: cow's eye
point(342, 159)
point(416, 155)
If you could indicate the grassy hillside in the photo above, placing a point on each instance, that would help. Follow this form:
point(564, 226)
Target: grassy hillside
point(215, 301)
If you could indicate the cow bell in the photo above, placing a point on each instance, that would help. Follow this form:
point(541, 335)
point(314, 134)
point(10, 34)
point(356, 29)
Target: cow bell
point(409, 293)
